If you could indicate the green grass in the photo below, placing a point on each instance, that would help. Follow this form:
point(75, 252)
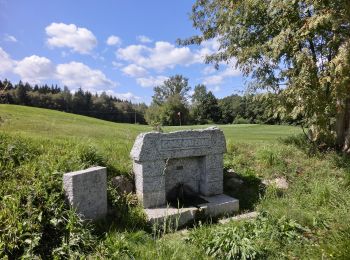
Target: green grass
point(37, 122)
point(249, 133)
point(114, 140)
point(307, 221)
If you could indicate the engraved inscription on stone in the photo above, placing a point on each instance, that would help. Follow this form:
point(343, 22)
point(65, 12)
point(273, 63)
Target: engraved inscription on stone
point(184, 143)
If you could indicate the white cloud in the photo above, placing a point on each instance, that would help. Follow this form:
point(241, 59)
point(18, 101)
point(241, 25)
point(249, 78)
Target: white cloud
point(151, 81)
point(212, 45)
point(9, 38)
point(124, 96)
point(208, 70)
point(113, 40)
point(133, 53)
point(34, 69)
point(215, 89)
point(213, 80)
point(6, 63)
point(78, 39)
point(231, 72)
point(117, 64)
point(134, 70)
point(164, 55)
point(76, 74)
point(206, 48)
point(144, 39)
point(220, 77)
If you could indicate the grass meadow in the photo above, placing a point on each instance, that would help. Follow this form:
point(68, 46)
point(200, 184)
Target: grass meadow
point(309, 220)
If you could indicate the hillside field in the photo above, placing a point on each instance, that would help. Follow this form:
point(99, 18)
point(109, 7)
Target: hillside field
point(114, 140)
point(309, 220)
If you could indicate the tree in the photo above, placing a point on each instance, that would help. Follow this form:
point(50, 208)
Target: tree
point(174, 110)
point(175, 85)
point(205, 106)
point(229, 108)
point(21, 94)
point(153, 115)
point(297, 49)
point(170, 101)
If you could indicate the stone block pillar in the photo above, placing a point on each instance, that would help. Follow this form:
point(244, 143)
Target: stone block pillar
point(212, 180)
point(86, 191)
point(150, 182)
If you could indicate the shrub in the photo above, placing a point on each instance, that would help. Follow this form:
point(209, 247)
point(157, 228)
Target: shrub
point(240, 120)
point(34, 219)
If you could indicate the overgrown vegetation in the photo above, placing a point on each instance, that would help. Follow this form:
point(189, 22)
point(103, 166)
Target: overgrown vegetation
point(34, 219)
point(309, 220)
point(260, 238)
point(299, 50)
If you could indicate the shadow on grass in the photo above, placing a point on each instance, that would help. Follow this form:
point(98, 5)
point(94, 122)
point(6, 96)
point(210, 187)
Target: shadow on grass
point(248, 189)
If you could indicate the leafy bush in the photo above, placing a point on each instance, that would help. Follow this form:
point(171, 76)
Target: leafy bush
point(240, 120)
point(128, 212)
point(34, 219)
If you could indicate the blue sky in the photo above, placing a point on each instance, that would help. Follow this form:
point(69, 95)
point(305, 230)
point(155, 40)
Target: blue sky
point(122, 47)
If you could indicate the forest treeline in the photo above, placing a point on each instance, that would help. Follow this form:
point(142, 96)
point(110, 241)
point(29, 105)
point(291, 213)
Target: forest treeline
point(81, 102)
point(171, 104)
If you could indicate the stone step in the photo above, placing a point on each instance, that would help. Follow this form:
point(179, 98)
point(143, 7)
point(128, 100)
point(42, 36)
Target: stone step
point(216, 206)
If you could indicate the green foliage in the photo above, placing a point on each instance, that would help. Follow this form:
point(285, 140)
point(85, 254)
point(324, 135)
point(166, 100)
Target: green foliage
point(297, 49)
point(174, 110)
point(240, 120)
point(307, 220)
point(153, 115)
point(251, 239)
point(34, 219)
point(128, 212)
point(167, 113)
point(140, 245)
point(254, 109)
point(229, 107)
point(205, 106)
point(174, 86)
point(169, 106)
point(171, 98)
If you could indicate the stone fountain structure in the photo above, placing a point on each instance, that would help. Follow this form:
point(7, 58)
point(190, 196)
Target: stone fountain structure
point(179, 174)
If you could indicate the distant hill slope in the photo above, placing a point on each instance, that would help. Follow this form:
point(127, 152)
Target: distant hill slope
point(114, 140)
point(51, 123)
point(38, 122)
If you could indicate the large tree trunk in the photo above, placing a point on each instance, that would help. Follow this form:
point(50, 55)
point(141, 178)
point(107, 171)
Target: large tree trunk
point(343, 126)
